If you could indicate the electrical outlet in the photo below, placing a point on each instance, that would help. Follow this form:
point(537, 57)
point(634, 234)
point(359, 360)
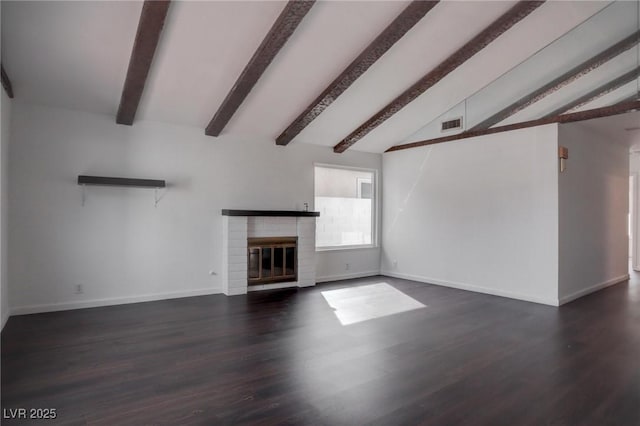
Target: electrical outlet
point(395, 263)
point(79, 289)
point(346, 266)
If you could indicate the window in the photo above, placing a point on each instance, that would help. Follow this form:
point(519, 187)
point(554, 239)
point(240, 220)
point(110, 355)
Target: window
point(346, 200)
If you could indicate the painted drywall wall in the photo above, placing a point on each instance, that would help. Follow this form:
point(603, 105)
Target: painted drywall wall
point(593, 207)
point(478, 214)
point(119, 246)
point(634, 170)
point(5, 118)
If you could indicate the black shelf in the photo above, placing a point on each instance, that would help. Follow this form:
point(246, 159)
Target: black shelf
point(118, 181)
point(279, 213)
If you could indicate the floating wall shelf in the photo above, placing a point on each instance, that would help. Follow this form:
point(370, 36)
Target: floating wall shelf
point(117, 181)
point(274, 213)
point(155, 184)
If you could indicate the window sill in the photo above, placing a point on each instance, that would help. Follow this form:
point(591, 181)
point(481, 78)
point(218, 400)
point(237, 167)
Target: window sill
point(341, 248)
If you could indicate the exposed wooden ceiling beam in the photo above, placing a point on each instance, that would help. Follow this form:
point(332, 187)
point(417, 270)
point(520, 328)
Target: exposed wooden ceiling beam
point(619, 108)
point(144, 47)
point(558, 83)
point(598, 92)
point(406, 20)
point(6, 83)
point(479, 42)
point(282, 29)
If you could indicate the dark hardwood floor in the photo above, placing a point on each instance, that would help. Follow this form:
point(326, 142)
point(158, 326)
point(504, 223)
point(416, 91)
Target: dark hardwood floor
point(282, 357)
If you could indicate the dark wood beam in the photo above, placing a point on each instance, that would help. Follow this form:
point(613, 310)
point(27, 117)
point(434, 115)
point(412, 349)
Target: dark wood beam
point(479, 42)
point(619, 108)
point(558, 83)
point(598, 92)
point(150, 26)
point(406, 20)
point(6, 83)
point(282, 29)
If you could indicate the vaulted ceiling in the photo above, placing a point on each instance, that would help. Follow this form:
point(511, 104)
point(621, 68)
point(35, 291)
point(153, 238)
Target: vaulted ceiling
point(76, 55)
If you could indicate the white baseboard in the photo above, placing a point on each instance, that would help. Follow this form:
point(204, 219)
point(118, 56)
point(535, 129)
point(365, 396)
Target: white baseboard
point(573, 296)
point(472, 287)
point(35, 309)
point(328, 278)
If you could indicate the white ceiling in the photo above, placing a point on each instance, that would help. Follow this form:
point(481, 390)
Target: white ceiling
point(75, 55)
point(611, 24)
point(69, 54)
point(624, 128)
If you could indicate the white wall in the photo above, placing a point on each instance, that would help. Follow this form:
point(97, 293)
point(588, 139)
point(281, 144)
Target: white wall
point(634, 161)
point(5, 113)
point(478, 214)
point(634, 170)
point(120, 247)
point(593, 207)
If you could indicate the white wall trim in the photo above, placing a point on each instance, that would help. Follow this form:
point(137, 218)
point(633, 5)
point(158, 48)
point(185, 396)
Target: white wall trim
point(34, 309)
point(472, 287)
point(594, 288)
point(338, 277)
point(634, 223)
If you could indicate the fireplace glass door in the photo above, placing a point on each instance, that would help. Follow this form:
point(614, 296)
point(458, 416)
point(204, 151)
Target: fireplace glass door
point(271, 260)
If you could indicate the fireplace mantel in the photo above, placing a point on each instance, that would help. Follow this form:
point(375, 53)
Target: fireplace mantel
point(272, 213)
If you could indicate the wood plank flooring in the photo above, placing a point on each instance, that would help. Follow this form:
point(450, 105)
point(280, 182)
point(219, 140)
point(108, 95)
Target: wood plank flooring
point(282, 357)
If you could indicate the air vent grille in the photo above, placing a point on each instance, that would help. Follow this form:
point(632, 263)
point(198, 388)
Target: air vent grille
point(454, 124)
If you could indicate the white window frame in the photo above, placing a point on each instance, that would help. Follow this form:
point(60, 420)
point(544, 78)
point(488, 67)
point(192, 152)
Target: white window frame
point(375, 211)
point(633, 210)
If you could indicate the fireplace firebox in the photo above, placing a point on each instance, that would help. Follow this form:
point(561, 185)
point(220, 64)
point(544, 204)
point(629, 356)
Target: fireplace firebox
point(272, 260)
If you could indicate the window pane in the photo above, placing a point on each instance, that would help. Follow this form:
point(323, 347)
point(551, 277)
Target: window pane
point(278, 261)
point(291, 261)
point(254, 262)
point(266, 262)
point(345, 199)
point(366, 190)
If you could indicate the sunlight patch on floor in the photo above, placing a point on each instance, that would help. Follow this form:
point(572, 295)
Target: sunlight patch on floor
point(356, 304)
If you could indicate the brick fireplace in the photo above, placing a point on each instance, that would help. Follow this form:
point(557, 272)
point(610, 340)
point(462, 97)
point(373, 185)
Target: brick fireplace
point(271, 231)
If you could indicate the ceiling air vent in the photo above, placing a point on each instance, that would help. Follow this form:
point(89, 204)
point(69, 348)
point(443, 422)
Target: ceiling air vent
point(449, 125)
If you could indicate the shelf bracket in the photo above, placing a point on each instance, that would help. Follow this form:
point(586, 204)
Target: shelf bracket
point(158, 195)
